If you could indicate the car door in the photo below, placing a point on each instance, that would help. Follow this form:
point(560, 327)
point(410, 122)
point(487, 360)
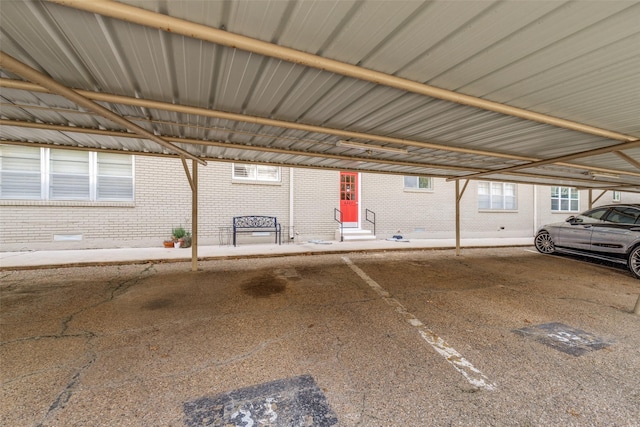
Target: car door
point(619, 230)
point(576, 232)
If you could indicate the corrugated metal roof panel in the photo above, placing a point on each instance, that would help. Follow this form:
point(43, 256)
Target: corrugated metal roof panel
point(572, 60)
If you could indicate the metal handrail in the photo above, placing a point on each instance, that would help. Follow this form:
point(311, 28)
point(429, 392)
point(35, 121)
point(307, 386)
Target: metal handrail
point(366, 216)
point(339, 212)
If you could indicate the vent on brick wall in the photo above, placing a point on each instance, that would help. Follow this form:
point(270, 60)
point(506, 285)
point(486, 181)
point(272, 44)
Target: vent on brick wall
point(66, 237)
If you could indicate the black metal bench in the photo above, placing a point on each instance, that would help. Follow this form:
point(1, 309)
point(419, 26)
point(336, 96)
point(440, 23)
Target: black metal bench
point(254, 223)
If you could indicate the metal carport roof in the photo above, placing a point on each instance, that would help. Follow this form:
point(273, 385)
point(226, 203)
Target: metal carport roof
point(521, 91)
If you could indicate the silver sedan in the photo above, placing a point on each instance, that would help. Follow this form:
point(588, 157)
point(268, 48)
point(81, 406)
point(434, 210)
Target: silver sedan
point(609, 232)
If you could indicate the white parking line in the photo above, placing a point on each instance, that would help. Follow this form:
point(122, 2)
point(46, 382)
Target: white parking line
point(462, 365)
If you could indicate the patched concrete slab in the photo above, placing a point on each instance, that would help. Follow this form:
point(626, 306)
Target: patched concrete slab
point(294, 401)
point(564, 338)
point(390, 339)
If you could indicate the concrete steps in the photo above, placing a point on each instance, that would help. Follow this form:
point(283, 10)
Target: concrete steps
point(352, 234)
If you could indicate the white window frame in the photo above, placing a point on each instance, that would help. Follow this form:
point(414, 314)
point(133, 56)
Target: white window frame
point(45, 172)
point(495, 196)
point(256, 173)
point(417, 187)
point(74, 191)
point(616, 196)
point(102, 178)
point(21, 173)
point(572, 203)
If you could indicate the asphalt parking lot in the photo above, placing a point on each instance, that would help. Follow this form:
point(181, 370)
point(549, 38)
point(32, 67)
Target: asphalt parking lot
point(494, 337)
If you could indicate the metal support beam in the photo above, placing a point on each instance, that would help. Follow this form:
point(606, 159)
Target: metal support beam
point(10, 63)
point(591, 200)
point(177, 108)
point(223, 115)
point(194, 217)
point(628, 159)
point(192, 177)
point(458, 198)
point(634, 143)
point(186, 171)
point(202, 32)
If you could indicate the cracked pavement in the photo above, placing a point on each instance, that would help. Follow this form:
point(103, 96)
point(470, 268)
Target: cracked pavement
point(129, 345)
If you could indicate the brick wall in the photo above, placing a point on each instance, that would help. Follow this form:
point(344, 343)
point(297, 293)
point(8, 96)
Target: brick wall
point(431, 213)
point(163, 201)
point(316, 196)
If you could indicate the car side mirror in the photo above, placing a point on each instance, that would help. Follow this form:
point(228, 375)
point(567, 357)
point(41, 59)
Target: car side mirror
point(574, 220)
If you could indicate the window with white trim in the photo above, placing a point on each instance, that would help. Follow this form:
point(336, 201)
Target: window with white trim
point(418, 183)
point(256, 173)
point(69, 175)
point(497, 196)
point(616, 196)
point(34, 173)
point(20, 172)
point(565, 199)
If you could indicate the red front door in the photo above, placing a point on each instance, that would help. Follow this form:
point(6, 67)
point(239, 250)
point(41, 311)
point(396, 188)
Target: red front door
point(349, 198)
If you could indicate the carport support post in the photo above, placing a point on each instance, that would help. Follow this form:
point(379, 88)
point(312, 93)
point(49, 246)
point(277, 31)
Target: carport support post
point(591, 200)
point(194, 216)
point(637, 309)
point(193, 183)
point(458, 197)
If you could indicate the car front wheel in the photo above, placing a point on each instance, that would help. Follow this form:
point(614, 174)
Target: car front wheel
point(544, 244)
point(634, 261)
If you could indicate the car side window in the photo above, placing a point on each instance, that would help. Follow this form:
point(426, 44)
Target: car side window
point(592, 216)
point(624, 215)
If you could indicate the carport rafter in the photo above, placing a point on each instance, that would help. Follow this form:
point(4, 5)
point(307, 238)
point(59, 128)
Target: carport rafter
point(194, 30)
point(627, 158)
point(159, 105)
point(214, 35)
point(10, 63)
point(617, 149)
point(224, 144)
point(62, 128)
point(223, 115)
point(311, 166)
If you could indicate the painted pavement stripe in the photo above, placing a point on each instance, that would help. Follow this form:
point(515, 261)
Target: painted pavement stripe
point(462, 365)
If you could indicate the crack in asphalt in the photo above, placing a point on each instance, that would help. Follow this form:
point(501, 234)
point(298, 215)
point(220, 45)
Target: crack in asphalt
point(65, 395)
point(117, 286)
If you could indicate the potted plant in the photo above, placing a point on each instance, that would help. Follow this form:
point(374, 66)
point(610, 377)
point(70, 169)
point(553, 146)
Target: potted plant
point(180, 238)
point(185, 241)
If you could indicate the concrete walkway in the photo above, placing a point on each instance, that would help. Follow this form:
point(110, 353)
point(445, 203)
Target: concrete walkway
point(86, 257)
